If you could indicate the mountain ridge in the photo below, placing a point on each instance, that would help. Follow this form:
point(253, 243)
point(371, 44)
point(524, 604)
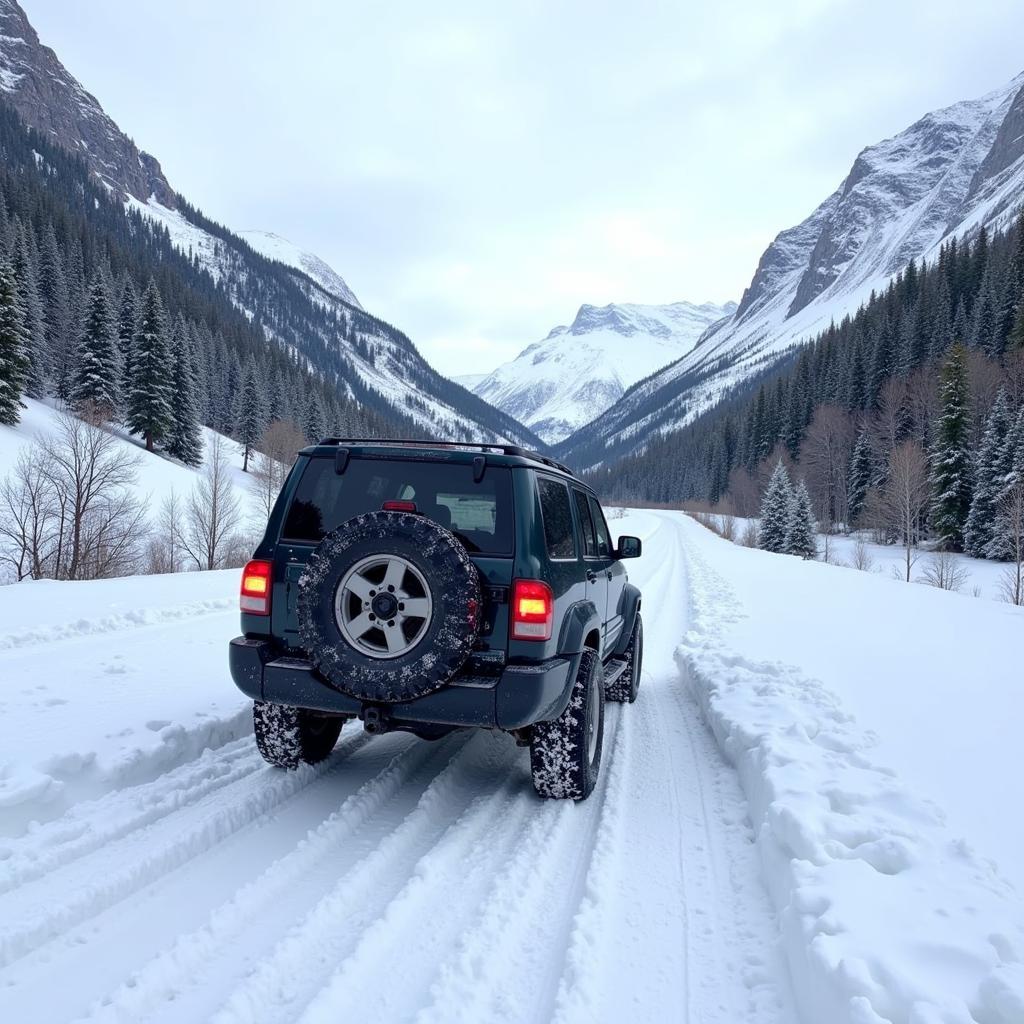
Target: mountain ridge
point(947, 174)
point(558, 384)
point(360, 355)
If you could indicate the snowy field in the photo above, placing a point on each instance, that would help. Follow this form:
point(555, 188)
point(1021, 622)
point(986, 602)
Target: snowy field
point(792, 824)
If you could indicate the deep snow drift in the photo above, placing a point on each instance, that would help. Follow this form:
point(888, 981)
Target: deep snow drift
point(875, 726)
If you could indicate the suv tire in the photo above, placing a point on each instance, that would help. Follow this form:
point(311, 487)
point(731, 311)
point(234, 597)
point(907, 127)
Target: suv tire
point(288, 737)
point(565, 755)
point(356, 629)
point(624, 689)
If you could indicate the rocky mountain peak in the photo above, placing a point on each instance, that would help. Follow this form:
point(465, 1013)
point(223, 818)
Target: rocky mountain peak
point(51, 101)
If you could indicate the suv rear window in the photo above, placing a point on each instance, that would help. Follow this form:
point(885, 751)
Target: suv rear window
point(479, 514)
point(557, 515)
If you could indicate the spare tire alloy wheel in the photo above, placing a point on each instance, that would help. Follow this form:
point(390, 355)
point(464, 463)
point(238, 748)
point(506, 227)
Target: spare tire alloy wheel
point(383, 606)
point(389, 606)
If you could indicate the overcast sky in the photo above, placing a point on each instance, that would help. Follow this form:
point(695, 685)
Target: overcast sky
point(477, 171)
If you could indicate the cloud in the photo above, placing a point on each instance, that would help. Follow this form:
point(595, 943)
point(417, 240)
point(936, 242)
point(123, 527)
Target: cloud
point(477, 172)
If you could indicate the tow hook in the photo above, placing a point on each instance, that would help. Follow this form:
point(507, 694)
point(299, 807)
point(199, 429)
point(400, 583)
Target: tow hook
point(375, 721)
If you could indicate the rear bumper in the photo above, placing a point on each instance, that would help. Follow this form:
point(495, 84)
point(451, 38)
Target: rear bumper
point(521, 695)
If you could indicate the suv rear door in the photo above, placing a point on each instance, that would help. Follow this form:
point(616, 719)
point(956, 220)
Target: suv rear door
point(615, 573)
point(596, 569)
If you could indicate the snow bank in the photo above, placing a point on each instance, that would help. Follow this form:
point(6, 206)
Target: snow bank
point(886, 914)
point(103, 694)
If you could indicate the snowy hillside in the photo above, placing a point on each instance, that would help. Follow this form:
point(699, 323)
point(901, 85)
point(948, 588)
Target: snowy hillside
point(156, 475)
point(274, 247)
point(950, 172)
point(557, 385)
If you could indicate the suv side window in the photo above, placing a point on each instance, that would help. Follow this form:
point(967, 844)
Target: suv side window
point(557, 515)
point(604, 540)
point(586, 524)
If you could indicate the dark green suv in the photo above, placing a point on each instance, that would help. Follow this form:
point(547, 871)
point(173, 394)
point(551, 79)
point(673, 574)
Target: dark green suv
point(429, 587)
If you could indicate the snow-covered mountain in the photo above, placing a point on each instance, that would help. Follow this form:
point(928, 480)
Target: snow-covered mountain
point(946, 175)
point(274, 247)
point(303, 306)
point(557, 385)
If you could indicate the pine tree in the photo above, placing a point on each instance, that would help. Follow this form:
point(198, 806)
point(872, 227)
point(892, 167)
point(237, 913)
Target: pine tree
point(185, 436)
point(53, 290)
point(13, 361)
point(1012, 459)
point(96, 380)
point(775, 510)
point(861, 477)
point(149, 395)
point(801, 528)
point(1016, 338)
point(994, 461)
point(127, 326)
point(34, 341)
point(313, 420)
point(250, 417)
point(951, 477)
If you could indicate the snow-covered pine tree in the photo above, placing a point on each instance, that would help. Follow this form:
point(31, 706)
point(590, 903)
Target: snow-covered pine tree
point(801, 528)
point(951, 467)
point(994, 461)
point(185, 437)
point(53, 289)
point(860, 478)
point(13, 362)
point(314, 421)
point(149, 393)
point(250, 418)
point(1011, 458)
point(775, 506)
point(96, 379)
point(127, 326)
point(1016, 338)
point(34, 342)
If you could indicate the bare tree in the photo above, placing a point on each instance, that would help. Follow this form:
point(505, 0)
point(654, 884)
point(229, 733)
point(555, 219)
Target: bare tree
point(824, 458)
point(862, 559)
point(1011, 519)
point(892, 422)
point(744, 492)
point(166, 547)
point(69, 510)
point(277, 449)
point(945, 572)
point(26, 517)
point(899, 504)
point(212, 514)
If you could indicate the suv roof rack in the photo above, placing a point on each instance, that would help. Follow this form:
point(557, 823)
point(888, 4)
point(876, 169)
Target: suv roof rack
point(405, 442)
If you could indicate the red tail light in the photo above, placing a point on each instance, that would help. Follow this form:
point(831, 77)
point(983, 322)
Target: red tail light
point(399, 506)
point(533, 610)
point(255, 595)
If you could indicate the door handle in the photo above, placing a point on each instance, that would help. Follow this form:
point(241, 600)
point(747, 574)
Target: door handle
point(609, 573)
point(591, 576)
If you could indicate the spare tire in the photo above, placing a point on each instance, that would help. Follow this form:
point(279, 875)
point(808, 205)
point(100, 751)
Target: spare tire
point(389, 606)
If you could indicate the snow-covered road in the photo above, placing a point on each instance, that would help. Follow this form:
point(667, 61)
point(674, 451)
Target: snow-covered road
point(400, 880)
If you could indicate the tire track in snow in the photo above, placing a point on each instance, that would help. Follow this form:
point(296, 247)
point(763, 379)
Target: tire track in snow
point(86, 886)
point(92, 824)
point(201, 967)
point(513, 938)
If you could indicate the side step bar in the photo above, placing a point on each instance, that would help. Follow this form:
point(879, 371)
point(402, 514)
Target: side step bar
point(614, 668)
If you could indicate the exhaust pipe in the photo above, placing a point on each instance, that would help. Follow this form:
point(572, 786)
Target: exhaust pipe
point(374, 721)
